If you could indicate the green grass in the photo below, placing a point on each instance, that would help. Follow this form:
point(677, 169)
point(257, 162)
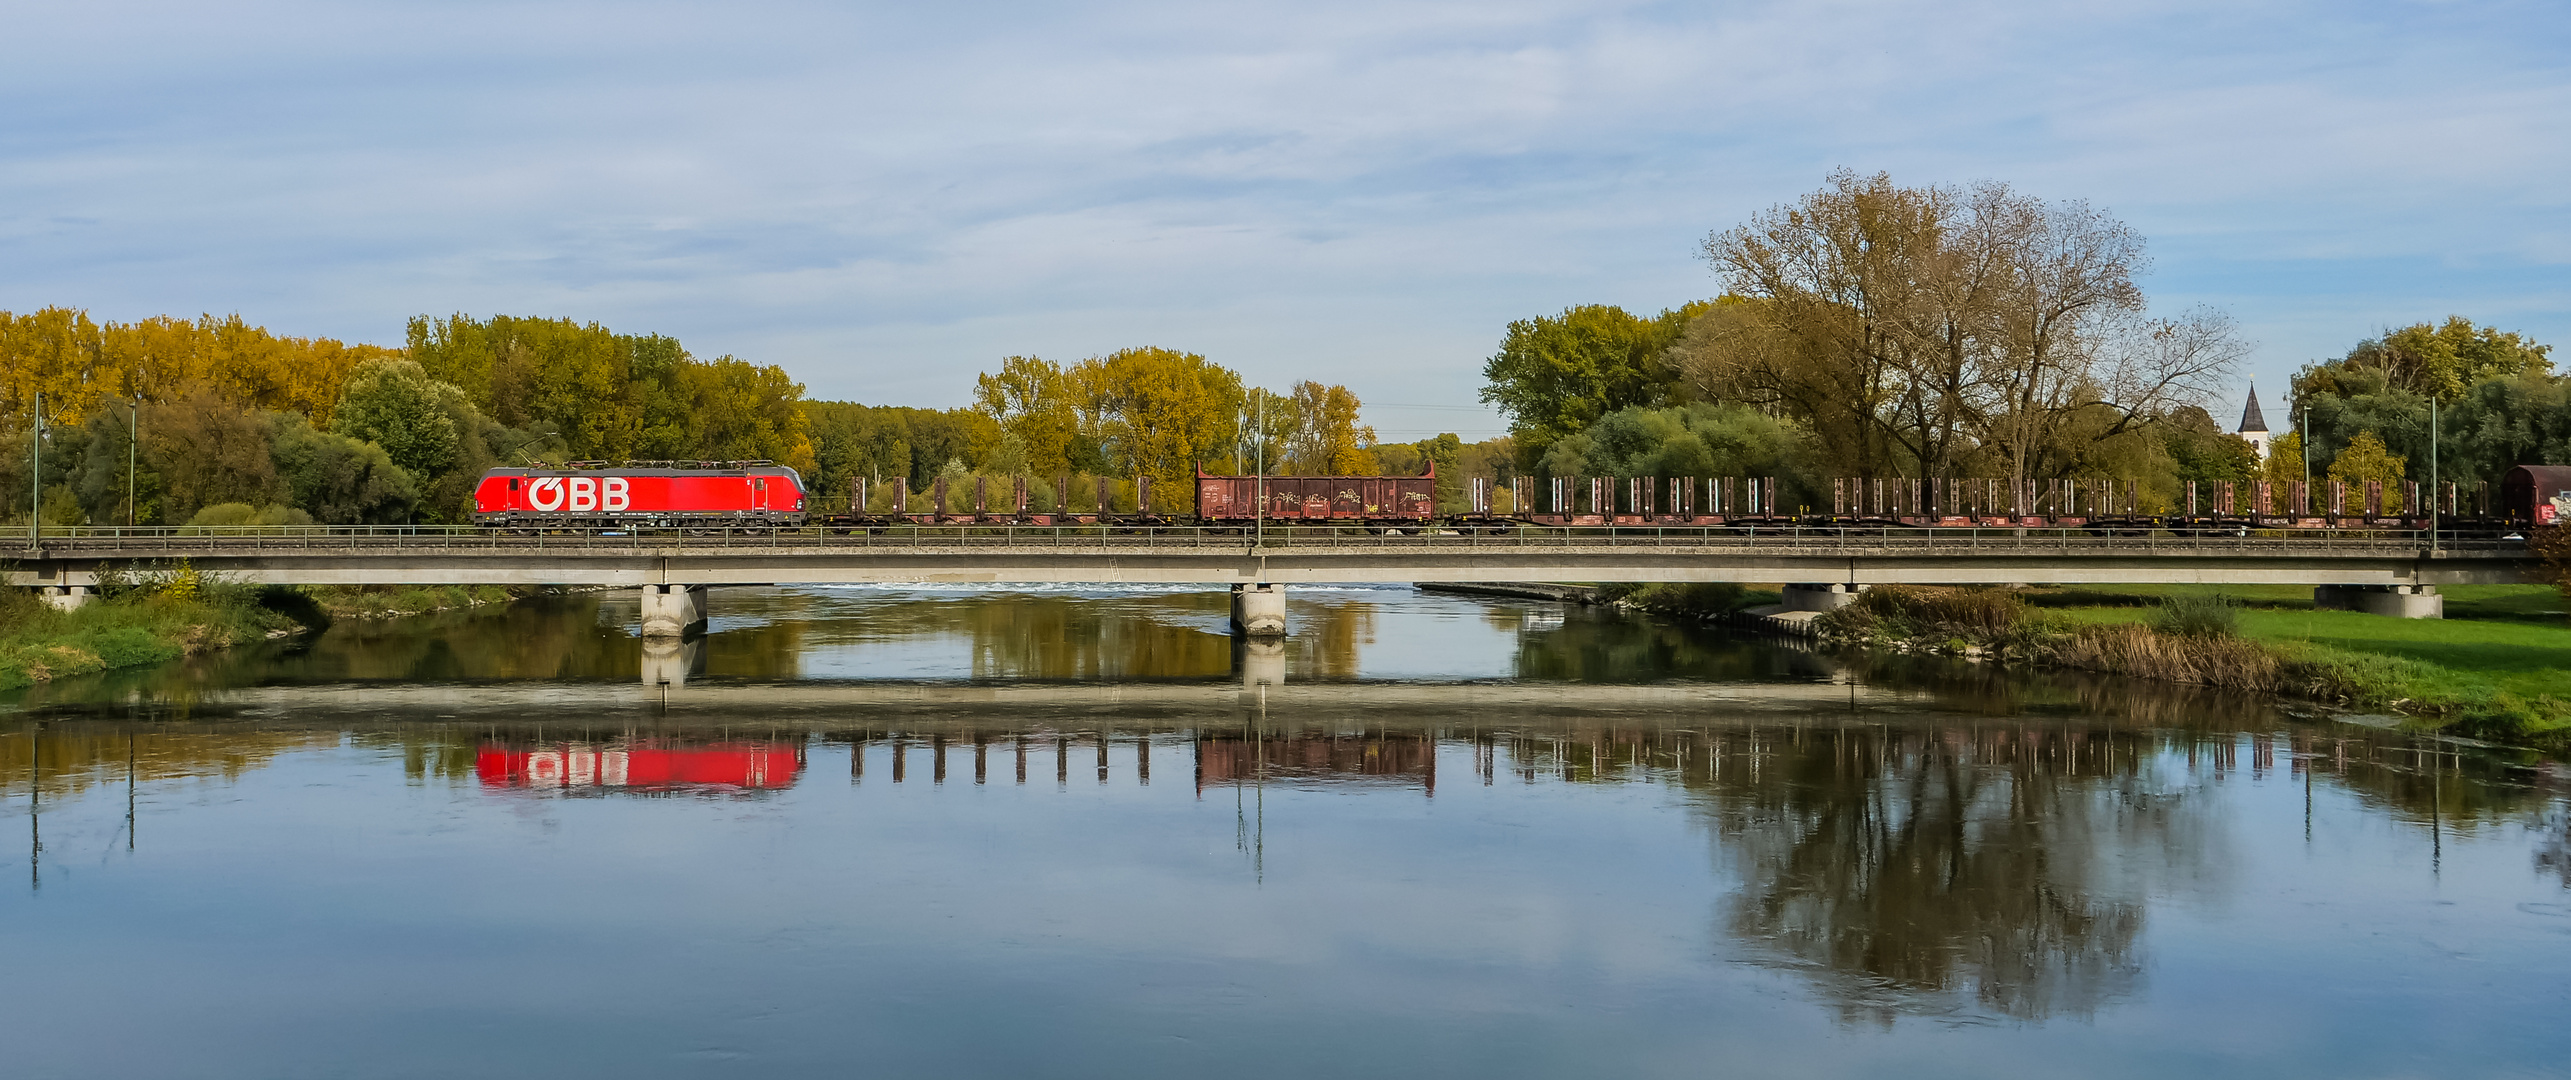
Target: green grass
point(2522, 603)
point(2499, 662)
point(388, 601)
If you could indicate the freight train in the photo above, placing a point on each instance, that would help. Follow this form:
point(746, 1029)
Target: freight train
point(758, 494)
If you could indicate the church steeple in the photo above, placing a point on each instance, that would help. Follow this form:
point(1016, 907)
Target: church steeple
point(2254, 426)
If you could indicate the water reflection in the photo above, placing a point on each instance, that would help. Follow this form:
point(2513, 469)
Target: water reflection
point(1537, 813)
point(775, 635)
point(1317, 757)
point(640, 767)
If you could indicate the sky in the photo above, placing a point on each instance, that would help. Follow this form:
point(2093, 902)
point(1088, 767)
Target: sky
point(889, 198)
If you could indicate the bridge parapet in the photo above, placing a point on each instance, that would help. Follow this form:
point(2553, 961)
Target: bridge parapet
point(1293, 554)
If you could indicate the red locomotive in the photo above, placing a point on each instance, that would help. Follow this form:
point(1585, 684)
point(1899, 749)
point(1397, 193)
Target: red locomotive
point(674, 494)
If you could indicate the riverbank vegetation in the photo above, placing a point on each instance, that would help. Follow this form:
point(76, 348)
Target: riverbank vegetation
point(2505, 675)
point(139, 618)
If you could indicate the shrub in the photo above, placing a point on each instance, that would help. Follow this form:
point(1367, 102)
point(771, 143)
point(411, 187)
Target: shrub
point(236, 515)
point(2197, 616)
point(1966, 612)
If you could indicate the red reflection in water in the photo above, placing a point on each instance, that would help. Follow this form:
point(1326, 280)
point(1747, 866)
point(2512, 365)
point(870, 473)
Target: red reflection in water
point(639, 766)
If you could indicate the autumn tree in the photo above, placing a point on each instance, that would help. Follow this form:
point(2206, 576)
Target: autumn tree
point(1919, 330)
point(1036, 403)
point(2366, 458)
point(1325, 438)
point(1159, 412)
point(80, 364)
point(2284, 463)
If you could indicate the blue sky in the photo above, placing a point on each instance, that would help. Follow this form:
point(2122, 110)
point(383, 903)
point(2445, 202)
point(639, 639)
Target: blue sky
point(888, 198)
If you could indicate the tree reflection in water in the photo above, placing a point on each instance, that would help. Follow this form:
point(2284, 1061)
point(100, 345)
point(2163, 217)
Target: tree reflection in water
point(1998, 868)
point(1940, 871)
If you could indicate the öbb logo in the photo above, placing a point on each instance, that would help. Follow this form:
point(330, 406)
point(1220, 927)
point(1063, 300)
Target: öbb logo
point(580, 494)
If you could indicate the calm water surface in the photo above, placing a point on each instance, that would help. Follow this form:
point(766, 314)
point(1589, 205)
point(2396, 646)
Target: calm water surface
point(861, 832)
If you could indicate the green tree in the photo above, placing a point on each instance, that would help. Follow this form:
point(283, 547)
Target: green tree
point(2506, 422)
point(337, 479)
point(110, 460)
point(2442, 361)
point(207, 451)
point(1557, 374)
point(2201, 450)
point(395, 405)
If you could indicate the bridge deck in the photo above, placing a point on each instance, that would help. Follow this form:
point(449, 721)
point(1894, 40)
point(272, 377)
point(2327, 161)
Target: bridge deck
point(419, 556)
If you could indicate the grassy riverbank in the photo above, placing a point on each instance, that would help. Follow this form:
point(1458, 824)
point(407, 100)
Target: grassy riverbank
point(394, 601)
point(134, 626)
point(2499, 666)
point(154, 616)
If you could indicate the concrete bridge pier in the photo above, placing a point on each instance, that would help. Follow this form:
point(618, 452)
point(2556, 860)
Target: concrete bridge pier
point(67, 597)
point(673, 611)
point(1259, 611)
point(2397, 601)
point(1817, 597)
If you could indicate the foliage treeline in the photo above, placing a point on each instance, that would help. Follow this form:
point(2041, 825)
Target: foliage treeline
point(167, 421)
point(240, 426)
point(1873, 329)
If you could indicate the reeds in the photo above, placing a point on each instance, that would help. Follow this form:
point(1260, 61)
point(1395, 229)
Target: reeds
point(2222, 660)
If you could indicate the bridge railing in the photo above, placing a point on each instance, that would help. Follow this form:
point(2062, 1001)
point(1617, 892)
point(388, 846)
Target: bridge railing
point(251, 541)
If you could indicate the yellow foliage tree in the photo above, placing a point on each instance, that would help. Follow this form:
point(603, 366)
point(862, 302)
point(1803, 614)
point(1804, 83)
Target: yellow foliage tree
point(2366, 458)
point(1158, 412)
point(1327, 439)
point(78, 363)
point(1032, 400)
point(2284, 464)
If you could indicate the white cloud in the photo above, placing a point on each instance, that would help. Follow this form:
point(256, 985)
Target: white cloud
point(885, 198)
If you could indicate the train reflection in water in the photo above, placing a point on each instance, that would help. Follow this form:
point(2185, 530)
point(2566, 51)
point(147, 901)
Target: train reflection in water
point(1389, 759)
point(644, 766)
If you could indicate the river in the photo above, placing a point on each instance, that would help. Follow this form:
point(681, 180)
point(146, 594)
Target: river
point(1082, 832)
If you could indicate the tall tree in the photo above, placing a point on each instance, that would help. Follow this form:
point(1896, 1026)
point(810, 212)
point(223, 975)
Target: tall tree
point(1326, 438)
point(2442, 361)
point(395, 405)
point(1557, 374)
point(1034, 402)
point(1917, 330)
point(1159, 412)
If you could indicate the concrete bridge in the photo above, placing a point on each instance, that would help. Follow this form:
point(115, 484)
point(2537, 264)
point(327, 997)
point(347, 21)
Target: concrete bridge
point(2392, 572)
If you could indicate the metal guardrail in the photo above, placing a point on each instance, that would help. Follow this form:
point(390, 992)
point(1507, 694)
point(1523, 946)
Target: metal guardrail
point(253, 541)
